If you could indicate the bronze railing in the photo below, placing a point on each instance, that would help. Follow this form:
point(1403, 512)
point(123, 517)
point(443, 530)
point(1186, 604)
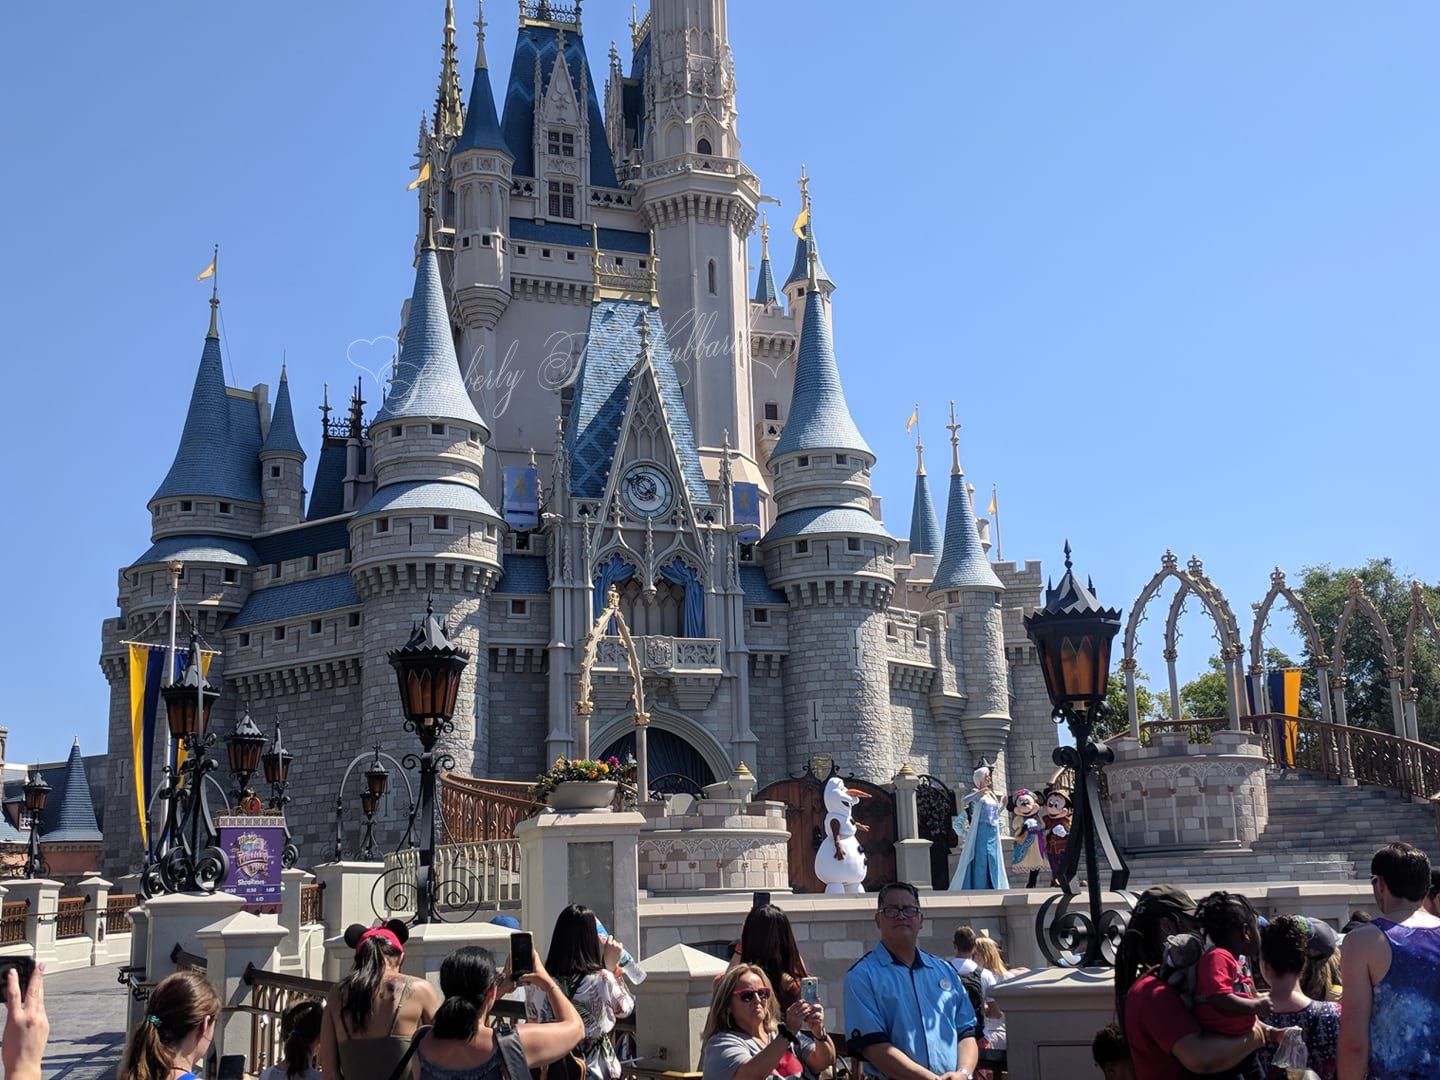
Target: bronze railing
point(12, 921)
point(270, 995)
point(117, 913)
point(312, 903)
point(1197, 730)
point(483, 809)
point(70, 917)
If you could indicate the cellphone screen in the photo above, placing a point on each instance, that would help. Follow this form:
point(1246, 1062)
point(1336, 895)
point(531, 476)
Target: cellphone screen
point(522, 953)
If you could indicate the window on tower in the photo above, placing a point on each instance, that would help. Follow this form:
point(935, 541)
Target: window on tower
point(562, 199)
point(772, 410)
point(560, 143)
point(711, 273)
point(703, 147)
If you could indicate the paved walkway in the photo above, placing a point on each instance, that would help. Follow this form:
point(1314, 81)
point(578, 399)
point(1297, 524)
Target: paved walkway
point(87, 1023)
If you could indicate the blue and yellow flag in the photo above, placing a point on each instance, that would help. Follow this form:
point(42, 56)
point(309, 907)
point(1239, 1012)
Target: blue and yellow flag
point(521, 502)
point(747, 511)
point(147, 668)
point(1283, 690)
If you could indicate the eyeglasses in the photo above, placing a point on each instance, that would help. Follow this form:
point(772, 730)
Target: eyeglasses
point(892, 911)
point(751, 996)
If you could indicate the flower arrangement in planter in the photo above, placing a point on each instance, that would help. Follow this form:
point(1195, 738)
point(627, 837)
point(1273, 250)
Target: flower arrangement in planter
point(584, 771)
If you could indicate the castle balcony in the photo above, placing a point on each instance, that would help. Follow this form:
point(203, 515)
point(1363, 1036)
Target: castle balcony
point(702, 165)
point(690, 667)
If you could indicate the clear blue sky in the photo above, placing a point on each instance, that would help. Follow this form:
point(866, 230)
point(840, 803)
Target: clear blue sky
point(1177, 266)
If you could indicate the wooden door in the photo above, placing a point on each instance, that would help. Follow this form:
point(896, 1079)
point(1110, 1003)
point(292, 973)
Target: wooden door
point(805, 814)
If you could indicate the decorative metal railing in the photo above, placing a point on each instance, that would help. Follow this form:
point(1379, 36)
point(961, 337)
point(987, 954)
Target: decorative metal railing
point(117, 913)
point(475, 809)
point(312, 903)
point(12, 921)
point(479, 875)
point(70, 917)
point(271, 994)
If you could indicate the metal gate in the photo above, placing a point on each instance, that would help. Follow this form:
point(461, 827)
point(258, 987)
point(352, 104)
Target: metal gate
point(805, 813)
point(935, 807)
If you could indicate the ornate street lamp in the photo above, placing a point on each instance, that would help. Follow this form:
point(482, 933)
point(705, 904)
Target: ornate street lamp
point(1072, 634)
point(428, 668)
point(184, 860)
point(377, 782)
point(37, 793)
point(242, 748)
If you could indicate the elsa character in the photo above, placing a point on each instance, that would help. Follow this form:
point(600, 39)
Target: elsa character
point(981, 866)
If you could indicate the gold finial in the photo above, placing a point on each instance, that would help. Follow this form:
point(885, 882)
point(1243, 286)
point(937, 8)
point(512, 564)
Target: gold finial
point(804, 187)
point(919, 446)
point(811, 255)
point(214, 330)
point(764, 236)
point(325, 411)
point(743, 772)
point(906, 770)
point(430, 219)
point(954, 428)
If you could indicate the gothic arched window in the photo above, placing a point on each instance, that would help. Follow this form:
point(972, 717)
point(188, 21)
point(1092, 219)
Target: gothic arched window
point(703, 146)
point(713, 289)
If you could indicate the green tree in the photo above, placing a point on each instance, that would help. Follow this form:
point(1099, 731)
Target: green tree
point(1148, 704)
point(1325, 591)
point(1205, 695)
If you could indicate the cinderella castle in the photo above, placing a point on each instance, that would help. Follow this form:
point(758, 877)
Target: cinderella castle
point(590, 391)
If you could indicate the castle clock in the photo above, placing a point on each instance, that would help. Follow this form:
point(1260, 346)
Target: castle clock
point(647, 491)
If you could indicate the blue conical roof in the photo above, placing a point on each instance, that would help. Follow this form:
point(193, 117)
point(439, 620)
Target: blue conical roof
point(963, 564)
point(427, 380)
point(924, 525)
point(765, 284)
point(281, 437)
point(482, 122)
point(819, 417)
point(216, 456)
point(800, 268)
point(70, 812)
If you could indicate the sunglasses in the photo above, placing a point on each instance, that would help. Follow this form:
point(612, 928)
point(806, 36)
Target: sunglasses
point(892, 911)
point(751, 996)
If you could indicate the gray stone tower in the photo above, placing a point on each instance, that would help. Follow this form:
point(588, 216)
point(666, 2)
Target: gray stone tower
point(835, 564)
point(427, 535)
point(282, 466)
point(972, 632)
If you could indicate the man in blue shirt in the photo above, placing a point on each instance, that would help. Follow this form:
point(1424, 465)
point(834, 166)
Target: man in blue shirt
point(905, 1011)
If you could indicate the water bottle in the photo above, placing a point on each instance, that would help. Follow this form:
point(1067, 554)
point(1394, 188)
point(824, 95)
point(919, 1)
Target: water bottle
point(631, 969)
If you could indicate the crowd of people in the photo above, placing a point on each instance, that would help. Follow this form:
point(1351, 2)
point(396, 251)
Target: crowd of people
point(1203, 988)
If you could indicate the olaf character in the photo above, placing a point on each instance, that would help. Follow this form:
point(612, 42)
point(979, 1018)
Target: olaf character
point(840, 863)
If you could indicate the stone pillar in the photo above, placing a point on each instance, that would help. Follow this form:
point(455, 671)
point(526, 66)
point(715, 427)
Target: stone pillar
point(1051, 1016)
point(97, 896)
point(163, 922)
point(431, 943)
point(231, 945)
point(292, 959)
point(912, 854)
point(349, 887)
point(43, 896)
point(581, 856)
point(1342, 737)
point(1131, 703)
point(674, 999)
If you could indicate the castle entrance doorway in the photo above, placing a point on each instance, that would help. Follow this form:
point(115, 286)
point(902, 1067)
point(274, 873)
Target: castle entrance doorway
point(675, 765)
point(805, 812)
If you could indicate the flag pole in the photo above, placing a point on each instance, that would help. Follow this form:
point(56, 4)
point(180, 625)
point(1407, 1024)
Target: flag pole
point(995, 512)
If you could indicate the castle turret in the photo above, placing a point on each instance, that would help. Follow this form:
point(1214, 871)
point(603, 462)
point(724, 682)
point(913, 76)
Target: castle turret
point(798, 284)
point(282, 466)
point(480, 170)
point(975, 688)
point(835, 564)
point(765, 292)
point(924, 525)
point(427, 534)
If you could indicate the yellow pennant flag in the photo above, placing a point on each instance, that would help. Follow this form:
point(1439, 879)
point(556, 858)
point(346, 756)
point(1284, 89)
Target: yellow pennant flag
point(209, 271)
point(993, 505)
point(802, 222)
point(914, 419)
point(424, 175)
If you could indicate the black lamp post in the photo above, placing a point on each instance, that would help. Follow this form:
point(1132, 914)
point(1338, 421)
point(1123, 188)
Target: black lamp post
point(376, 783)
point(243, 747)
point(1072, 634)
point(37, 793)
point(181, 862)
point(428, 669)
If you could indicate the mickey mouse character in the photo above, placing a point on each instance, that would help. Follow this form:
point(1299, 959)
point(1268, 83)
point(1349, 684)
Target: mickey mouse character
point(1055, 824)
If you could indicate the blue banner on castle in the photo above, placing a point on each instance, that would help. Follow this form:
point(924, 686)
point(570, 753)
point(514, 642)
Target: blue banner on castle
point(253, 846)
point(747, 511)
point(521, 501)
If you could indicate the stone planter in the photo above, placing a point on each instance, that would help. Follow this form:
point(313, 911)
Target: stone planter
point(583, 795)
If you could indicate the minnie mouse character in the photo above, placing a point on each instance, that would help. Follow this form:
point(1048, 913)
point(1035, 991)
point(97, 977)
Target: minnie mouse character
point(1029, 854)
point(1055, 823)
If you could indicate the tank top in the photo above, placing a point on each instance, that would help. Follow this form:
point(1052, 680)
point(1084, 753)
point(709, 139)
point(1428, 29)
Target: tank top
point(375, 1058)
point(1405, 1014)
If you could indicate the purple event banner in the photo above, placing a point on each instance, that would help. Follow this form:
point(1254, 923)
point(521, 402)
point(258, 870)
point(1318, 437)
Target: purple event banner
point(253, 844)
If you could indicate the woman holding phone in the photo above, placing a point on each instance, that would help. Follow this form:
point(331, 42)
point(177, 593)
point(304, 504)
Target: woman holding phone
point(746, 1039)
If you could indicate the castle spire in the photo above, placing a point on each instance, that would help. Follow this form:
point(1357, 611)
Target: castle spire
point(281, 437)
point(819, 415)
point(963, 565)
point(924, 525)
point(449, 111)
point(482, 122)
point(805, 243)
point(765, 292)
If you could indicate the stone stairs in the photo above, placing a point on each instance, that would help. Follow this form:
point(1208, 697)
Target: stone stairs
point(1318, 831)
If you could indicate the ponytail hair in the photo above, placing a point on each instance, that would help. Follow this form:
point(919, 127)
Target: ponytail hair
point(300, 1028)
point(467, 976)
point(372, 954)
point(181, 1003)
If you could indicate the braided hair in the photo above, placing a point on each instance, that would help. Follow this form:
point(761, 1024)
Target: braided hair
point(1224, 914)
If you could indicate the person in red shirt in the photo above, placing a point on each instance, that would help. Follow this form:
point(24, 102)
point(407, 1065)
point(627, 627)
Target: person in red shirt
point(1164, 1037)
point(1225, 999)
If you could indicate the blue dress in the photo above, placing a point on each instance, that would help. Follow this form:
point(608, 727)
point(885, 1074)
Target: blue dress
point(1405, 1013)
point(981, 866)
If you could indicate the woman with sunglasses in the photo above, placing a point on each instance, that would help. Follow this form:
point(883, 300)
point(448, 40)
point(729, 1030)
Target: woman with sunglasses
point(745, 1038)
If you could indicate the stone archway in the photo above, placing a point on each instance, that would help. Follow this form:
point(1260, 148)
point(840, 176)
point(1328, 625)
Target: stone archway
point(1280, 589)
point(1420, 616)
point(1357, 601)
point(681, 728)
point(1192, 580)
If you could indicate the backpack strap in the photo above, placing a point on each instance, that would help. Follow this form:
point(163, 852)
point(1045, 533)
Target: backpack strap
point(404, 1065)
point(512, 1054)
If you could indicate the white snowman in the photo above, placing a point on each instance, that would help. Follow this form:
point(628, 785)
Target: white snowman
point(840, 863)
